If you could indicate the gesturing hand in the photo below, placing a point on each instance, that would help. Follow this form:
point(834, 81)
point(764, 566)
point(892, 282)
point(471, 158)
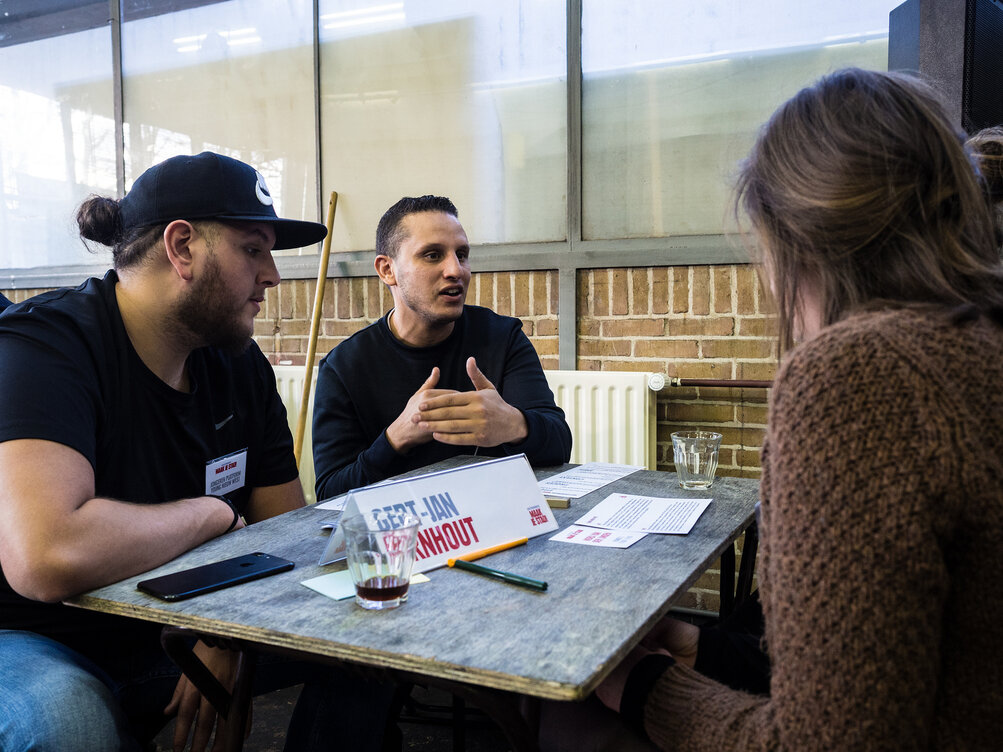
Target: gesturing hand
point(405, 432)
point(477, 418)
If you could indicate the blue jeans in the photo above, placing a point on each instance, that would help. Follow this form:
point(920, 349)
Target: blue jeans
point(53, 698)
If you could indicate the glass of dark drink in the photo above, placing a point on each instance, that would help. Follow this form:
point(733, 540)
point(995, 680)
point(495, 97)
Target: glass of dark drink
point(380, 550)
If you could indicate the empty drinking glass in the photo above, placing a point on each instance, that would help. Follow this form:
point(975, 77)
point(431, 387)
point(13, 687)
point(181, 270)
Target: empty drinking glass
point(695, 454)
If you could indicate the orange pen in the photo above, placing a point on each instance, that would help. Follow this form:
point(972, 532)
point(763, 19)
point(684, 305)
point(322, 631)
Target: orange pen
point(473, 555)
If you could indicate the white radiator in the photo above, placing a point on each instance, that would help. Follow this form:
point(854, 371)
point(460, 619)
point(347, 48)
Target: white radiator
point(611, 415)
point(289, 381)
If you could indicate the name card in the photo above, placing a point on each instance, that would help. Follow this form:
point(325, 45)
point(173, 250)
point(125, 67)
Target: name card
point(463, 509)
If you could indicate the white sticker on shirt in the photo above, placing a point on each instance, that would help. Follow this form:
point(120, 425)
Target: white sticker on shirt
point(226, 473)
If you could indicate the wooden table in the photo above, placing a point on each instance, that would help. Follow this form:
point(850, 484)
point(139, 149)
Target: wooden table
point(483, 640)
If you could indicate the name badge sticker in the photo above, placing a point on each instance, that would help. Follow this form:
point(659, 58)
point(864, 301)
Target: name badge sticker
point(226, 473)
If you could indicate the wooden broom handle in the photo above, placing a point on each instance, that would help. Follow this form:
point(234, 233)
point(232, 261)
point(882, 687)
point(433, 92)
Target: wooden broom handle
point(311, 350)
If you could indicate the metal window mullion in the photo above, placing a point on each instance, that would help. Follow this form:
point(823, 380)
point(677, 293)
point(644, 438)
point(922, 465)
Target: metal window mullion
point(567, 321)
point(319, 163)
point(115, 21)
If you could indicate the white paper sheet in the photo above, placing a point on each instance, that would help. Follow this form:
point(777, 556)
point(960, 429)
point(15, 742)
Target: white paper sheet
point(593, 536)
point(337, 503)
point(646, 514)
point(575, 483)
point(339, 585)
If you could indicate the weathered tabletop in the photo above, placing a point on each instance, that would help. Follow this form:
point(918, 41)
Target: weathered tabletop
point(462, 627)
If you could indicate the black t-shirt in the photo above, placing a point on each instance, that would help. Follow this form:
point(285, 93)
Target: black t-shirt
point(69, 374)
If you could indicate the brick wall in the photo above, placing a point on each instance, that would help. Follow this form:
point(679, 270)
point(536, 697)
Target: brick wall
point(282, 328)
point(690, 322)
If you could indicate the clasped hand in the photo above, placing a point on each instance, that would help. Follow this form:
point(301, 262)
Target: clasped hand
point(475, 418)
point(670, 636)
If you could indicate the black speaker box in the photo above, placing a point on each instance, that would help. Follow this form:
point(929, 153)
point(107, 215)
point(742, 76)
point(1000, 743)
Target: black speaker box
point(957, 45)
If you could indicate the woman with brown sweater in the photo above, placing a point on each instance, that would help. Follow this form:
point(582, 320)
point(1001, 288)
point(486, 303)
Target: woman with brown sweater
point(882, 490)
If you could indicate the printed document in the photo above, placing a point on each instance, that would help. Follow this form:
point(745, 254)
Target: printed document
point(584, 479)
point(645, 514)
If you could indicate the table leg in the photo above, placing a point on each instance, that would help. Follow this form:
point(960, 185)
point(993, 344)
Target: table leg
point(732, 592)
point(232, 706)
point(459, 724)
point(727, 581)
point(747, 567)
point(508, 712)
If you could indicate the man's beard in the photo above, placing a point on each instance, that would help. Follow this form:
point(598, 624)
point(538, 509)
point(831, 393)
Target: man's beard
point(424, 310)
point(208, 314)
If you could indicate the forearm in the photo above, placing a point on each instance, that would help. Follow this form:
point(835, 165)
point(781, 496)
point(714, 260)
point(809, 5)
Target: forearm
point(269, 501)
point(347, 449)
point(377, 462)
point(686, 710)
point(548, 440)
point(103, 541)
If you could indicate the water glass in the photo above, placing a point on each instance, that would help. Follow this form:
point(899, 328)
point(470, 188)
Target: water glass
point(695, 454)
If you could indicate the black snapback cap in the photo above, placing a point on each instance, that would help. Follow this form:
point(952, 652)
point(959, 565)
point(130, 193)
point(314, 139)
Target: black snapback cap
point(211, 186)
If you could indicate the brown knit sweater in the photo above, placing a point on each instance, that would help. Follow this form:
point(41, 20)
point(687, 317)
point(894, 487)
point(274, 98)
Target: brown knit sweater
point(882, 550)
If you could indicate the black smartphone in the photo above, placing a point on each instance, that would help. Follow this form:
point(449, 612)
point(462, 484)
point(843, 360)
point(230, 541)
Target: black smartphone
point(215, 576)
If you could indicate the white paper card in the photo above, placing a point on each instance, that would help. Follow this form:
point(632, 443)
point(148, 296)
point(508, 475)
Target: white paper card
point(594, 536)
point(462, 509)
point(584, 479)
point(646, 514)
point(336, 504)
point(339, 585)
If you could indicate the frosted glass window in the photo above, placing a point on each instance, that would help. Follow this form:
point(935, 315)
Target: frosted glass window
point(446, 97)
point(674, 93)
point(232, 77)
point(57, 146)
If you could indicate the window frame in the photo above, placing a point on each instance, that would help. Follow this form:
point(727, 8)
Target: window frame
point(567, 257)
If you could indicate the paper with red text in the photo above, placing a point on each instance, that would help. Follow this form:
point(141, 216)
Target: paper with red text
point(594, 536)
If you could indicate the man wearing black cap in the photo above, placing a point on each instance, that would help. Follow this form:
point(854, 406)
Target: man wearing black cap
point(118, 400)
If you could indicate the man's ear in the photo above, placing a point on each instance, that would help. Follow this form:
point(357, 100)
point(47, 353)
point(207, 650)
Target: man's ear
point(178, 238)
point(385, 269)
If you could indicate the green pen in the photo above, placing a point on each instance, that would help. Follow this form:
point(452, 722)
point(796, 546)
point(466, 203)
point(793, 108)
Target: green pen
point(514, 579)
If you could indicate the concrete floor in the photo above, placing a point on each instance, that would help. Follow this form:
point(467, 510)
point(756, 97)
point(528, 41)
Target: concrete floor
point(271, 715)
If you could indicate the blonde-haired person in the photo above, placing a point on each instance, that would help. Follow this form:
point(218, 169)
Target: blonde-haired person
point(987, 145)
point(882, 490)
